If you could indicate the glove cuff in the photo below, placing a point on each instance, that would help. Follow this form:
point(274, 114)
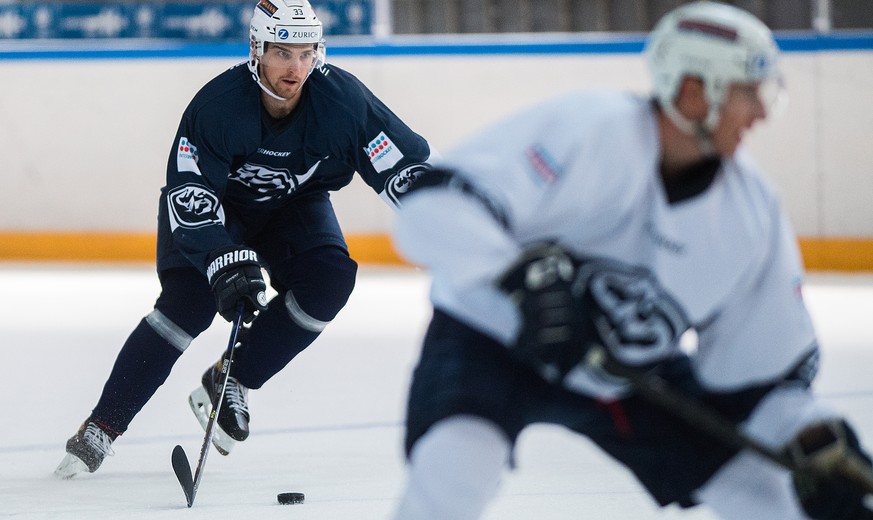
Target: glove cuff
point(225, 259)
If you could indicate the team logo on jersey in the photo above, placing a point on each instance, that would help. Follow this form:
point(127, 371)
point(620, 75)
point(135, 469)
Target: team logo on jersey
point(270, 183)
point(187, 157)
point(399, 185)
point(635, 318)
point(192, 206)
point(544, 167)
point(383, 152)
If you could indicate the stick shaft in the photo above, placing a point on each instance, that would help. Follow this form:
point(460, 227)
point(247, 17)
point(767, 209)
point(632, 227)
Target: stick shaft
point(213, 415)
point(659, 392)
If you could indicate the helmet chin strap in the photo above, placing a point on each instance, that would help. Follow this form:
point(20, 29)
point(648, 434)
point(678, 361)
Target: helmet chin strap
point(701, 130)
point(253, 67)
point(268, 91)
point(704, 140)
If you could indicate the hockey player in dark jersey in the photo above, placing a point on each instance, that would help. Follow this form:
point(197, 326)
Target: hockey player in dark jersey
point(256, 152)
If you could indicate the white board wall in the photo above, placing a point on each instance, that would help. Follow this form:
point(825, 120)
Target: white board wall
point(84, 143)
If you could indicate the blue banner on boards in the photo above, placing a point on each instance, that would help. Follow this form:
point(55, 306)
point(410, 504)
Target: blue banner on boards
point(188, 21)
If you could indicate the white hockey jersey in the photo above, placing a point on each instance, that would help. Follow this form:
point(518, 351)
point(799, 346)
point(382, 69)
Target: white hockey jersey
point(584, 170)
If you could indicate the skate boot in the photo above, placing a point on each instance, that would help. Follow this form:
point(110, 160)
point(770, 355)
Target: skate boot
point(232, 424)
point(86, 450)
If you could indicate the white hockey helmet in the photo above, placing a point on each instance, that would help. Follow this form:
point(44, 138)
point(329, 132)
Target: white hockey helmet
point(721, 45)
point(292, 22)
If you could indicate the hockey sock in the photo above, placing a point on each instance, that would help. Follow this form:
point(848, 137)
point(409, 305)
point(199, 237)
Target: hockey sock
point(142, 365)
point(454, 470)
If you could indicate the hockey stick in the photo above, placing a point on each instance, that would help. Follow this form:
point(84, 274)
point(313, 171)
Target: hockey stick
point(658, 392)
point(180, 460)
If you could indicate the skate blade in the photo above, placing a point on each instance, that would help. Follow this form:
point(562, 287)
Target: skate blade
point(70, 467)
point(202, 407)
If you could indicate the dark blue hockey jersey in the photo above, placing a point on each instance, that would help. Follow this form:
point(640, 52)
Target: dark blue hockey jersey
point(230, 155)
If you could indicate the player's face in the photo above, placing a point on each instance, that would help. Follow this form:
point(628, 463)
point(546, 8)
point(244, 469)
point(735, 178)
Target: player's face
point(284, 68)
point(742, 108)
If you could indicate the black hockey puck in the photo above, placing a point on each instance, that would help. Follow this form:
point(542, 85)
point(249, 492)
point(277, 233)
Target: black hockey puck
point(290, 498)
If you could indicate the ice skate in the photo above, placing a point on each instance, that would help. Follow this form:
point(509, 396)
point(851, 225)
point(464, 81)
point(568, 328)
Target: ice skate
point(86, 450)
point(232, 424)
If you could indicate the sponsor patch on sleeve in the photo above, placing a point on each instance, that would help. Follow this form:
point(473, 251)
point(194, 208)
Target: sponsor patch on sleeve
point(186, 157)
point(542, 164)
point(383, 152)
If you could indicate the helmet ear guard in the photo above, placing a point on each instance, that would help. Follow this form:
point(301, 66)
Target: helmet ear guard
point(719, 44)
point(292, 22)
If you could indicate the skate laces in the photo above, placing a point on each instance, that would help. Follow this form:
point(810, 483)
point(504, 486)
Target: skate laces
point(235, 396)
point(99, 440)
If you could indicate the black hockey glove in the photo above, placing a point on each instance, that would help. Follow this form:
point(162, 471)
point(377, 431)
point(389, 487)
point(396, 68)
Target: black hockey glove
point(234, 274)
point(555, 328)
point(574, 308)
point(834, 473)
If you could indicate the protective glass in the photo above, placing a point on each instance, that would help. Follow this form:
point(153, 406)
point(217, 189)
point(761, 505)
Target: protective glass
point(304, 57)
point(773, 96)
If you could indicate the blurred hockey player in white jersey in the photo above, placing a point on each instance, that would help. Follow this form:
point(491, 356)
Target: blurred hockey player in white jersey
point(572, 245)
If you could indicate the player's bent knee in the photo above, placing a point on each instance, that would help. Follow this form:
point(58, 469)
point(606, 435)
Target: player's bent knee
point(300, 316)
point(319, 284)
point(186, 303)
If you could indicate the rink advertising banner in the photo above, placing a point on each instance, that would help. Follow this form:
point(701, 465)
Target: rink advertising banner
point(200, 21)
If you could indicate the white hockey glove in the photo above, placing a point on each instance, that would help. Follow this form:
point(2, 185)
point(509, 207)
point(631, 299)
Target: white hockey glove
point(571, 307)
point(833, 474)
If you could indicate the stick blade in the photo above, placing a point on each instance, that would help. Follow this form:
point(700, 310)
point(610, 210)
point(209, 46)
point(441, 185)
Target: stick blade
point(182, 468)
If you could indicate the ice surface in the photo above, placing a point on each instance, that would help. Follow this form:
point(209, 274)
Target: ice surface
point(329, 425)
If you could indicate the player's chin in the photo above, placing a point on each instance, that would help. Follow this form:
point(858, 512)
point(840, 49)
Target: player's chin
point(286, 91)
point(729, 146)
point(728, 151)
